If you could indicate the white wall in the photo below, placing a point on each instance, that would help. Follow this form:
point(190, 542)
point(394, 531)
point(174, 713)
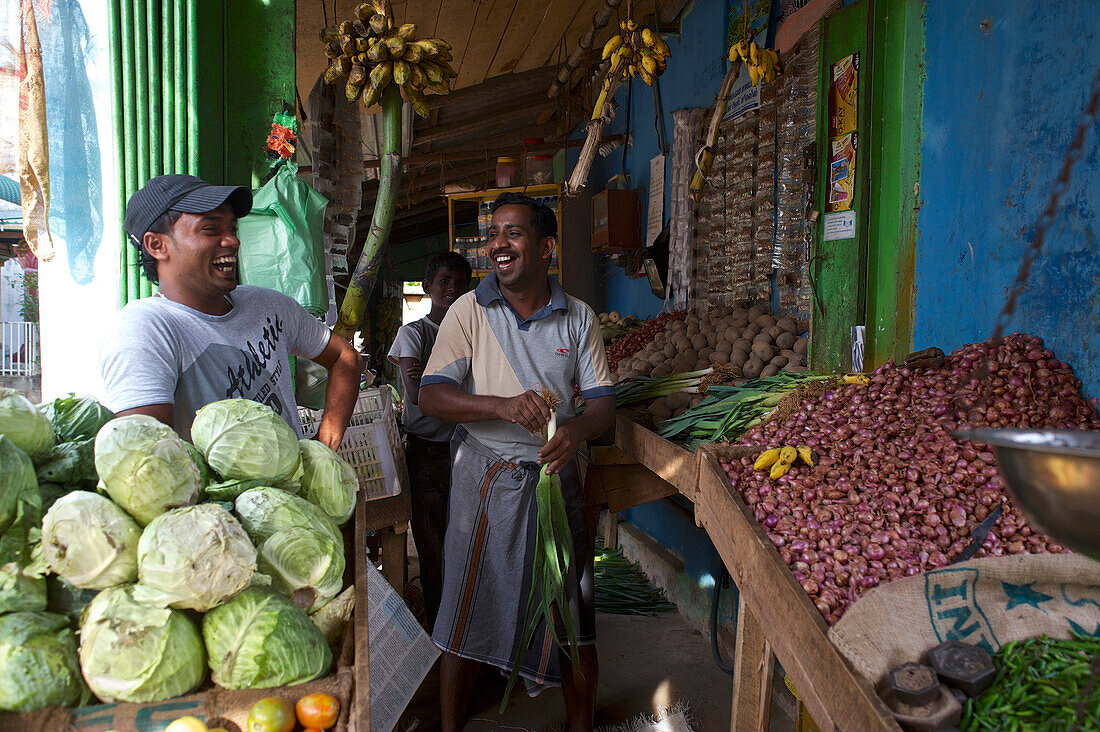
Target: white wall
point(73, 316)
point(11, 291)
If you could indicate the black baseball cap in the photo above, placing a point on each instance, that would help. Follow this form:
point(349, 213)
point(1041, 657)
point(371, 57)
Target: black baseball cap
point(185, 193)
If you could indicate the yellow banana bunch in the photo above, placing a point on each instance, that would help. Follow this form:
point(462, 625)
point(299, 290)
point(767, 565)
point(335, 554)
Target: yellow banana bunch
point(778, 460)
point(372, 51)
point(762, 63)
point(636, 52)
point(857, 379)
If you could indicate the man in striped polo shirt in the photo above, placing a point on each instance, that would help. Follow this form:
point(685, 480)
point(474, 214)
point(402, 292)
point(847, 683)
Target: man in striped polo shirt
point(517, 332)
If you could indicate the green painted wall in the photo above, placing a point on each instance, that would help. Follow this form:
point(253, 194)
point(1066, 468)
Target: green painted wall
point(838, 265)
point(897, 98)
point(868, 280)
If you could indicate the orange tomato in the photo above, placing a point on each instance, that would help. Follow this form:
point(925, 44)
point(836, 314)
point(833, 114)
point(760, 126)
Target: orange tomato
point(318, 710)
point(313, 729)
point(272, 714)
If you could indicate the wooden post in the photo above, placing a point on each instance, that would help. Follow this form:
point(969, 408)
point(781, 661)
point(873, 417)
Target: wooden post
point(753, 665)
point(361, 692)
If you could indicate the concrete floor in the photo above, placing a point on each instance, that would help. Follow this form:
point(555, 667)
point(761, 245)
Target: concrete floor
point(646, 664)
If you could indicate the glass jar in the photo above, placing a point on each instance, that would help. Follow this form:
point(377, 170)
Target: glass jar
point(507, 173)
point(540, 169)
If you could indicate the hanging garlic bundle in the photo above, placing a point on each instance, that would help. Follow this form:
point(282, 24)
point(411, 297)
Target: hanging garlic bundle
point(553, 558)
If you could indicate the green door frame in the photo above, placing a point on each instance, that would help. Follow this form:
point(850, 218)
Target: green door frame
point(868, 280)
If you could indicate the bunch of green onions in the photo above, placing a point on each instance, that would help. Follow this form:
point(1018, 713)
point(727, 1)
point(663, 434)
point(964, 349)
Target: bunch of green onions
point(622, 588)
point(553, 556)
point(642, 388)
point(730, 411)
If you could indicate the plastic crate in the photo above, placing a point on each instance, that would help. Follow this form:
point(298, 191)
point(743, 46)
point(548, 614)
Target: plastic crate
point(371, 445)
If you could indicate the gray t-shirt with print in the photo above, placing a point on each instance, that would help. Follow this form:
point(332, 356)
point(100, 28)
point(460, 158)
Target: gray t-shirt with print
point(163, 352)
point(415, 340)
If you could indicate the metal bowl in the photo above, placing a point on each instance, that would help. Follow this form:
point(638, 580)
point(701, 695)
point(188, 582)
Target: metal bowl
point(1054, 475)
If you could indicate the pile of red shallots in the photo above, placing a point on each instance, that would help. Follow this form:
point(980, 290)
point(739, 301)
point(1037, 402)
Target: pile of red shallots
point(892, 493)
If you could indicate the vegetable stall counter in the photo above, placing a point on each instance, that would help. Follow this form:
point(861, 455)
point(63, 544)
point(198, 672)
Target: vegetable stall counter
point(349, 682)
point(837, 697)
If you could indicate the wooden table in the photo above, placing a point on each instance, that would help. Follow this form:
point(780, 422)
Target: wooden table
point(388, 518)
point(775, 618)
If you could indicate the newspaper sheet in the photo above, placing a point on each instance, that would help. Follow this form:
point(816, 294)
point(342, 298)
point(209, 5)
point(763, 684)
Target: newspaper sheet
point(401, 653)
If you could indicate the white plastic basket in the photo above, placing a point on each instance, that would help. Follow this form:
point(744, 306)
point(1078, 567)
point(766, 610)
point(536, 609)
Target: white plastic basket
point(371, 445)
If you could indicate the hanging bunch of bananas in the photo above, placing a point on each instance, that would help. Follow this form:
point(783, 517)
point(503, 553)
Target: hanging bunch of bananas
point(636, 52)
point(763, 63)
point(372, 51)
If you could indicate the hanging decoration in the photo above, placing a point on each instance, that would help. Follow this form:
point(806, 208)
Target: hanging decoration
point(282, 142)
point(635, 52)
point(382, 62)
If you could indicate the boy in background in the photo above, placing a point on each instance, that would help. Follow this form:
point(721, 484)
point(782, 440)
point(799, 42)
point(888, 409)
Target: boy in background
point(428, 452)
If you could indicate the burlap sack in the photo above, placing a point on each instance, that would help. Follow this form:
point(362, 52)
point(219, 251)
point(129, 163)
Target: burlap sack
point(987, 602)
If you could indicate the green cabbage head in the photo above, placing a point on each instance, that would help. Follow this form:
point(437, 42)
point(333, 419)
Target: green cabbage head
point(76, 417)
point(24, 425)
point(304, 566)
point(90, 542)
point(17, 482)
point(193, 558)
point(244, 439)
point(328, 482)
point(266, 511)
point(38, 663)
point(133, 652)
point(259, 640)
point(145, 467)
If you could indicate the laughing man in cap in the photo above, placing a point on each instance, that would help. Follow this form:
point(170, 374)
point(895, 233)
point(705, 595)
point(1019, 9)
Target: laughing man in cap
point(204, 338)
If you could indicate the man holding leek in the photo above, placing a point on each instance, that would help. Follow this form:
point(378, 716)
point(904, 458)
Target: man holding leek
point(506, 361)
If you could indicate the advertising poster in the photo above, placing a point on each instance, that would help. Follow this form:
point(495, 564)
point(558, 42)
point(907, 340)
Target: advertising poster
point(843, 140)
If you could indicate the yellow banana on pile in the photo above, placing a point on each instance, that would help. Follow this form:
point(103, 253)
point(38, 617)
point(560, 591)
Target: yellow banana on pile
point(778, 460)
point(636, 52)
point(762, 63)
point(372, 51)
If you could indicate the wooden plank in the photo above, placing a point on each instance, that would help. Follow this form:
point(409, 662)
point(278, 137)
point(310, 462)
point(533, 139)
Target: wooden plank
point(609, 455)
point(544, 43)
point(581, 24)
point(672, 462)
point(361, 699)
point(455, 25)
point(620, 487)
point(753, 666)
point(490, 28)
point(526, 18)
point(830, 688)
point(395, 565)
point(425, 13)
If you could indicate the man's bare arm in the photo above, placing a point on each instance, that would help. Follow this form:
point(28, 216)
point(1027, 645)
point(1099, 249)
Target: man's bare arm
point(345, 366)
point(450, 404)
point(166, 413)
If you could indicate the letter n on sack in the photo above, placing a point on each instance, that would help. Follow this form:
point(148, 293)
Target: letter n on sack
point(953, 608)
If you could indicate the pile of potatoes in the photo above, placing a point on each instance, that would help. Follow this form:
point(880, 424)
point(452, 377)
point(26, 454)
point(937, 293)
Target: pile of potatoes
point(749, 339)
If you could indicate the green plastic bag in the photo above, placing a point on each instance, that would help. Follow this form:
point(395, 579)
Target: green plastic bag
point(282, 240)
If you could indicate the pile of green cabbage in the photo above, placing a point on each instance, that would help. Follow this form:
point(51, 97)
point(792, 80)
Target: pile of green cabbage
point(212, 528)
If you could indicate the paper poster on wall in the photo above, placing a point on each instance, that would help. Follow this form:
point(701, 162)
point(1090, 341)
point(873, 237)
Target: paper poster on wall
point(842, 172)
point(843, 92)
point(840, 225)
point(655, 218)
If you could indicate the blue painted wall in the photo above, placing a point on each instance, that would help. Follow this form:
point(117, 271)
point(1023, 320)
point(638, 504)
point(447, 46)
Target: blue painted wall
point(1006, 82)
point(692, 79)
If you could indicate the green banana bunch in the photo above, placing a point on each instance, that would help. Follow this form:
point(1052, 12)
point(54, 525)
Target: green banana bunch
point(636, 52)
point(762, 63)
point(372, 51)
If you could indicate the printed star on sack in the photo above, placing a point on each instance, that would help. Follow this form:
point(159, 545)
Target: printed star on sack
point(1023, 595)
